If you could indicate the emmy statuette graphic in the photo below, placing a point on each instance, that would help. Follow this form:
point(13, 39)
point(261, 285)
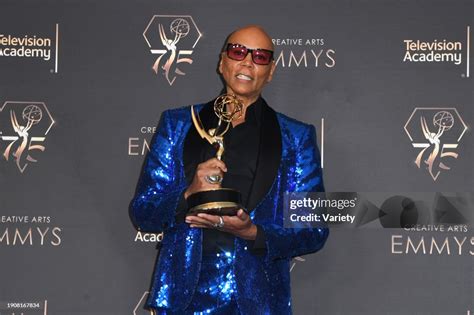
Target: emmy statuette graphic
point(220, 201)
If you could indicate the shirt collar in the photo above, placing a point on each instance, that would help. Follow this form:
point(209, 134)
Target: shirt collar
point(253, 114)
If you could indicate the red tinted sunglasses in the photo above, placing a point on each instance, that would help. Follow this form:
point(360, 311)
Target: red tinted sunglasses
point(259, 56)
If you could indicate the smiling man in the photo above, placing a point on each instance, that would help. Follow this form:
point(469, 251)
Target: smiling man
point(246, 77)
point(211, 264)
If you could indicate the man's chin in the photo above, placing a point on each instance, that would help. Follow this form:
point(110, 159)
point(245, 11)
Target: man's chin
point(244, 94)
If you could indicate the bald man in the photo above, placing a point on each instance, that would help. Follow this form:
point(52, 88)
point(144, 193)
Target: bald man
point(211, 264)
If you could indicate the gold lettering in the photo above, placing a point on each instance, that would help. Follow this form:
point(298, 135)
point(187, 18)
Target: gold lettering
point(58, 239)
point(130, 146)
point(398, 243)
point(22, 241)
point(42, 235)
point(415, 250)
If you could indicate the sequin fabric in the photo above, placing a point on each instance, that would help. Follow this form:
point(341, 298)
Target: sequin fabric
point(257, 284)
point(215, 292)
point(216, 287)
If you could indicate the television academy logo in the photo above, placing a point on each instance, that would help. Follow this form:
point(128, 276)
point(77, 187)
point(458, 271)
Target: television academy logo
point(148, 237)
point(438, 51)
point(31, 47)
point(436, 132)
point(23, 130)
point(172, 39)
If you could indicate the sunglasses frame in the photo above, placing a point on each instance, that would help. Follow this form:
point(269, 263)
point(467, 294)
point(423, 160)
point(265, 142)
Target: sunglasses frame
point(251, 53)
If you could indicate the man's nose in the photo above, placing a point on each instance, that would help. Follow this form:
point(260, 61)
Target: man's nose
point(248, 60)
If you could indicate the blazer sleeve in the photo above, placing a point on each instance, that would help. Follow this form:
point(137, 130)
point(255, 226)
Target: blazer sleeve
point(159, 188)
point(284, 242)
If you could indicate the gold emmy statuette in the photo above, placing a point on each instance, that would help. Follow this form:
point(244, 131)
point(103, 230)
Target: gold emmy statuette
point(220, 201)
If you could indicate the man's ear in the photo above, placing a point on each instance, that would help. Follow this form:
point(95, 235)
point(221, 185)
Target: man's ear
point(273, 67)
point(220, 64)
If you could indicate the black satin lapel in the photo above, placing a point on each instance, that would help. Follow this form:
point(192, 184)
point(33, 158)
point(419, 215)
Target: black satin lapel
point(193, 144)
point(269, 157)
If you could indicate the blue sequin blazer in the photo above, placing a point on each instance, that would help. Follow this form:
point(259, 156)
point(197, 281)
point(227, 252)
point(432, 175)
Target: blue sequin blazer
point(288, 162)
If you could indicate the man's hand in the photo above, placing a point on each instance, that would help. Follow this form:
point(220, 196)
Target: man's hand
point(240, 225)
point(210, 167)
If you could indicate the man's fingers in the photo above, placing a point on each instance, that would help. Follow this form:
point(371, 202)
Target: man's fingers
point(242, 214)
point(202, 226)
point(203, 172)
point(205, 177)
point(200, 220)
point(211, 167)
point(214, 163)
point(214, 219)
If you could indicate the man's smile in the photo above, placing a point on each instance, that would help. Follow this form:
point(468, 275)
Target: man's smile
point(245, 77)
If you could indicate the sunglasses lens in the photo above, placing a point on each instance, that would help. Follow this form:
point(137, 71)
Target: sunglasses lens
point(236, 52)
point(261, 57)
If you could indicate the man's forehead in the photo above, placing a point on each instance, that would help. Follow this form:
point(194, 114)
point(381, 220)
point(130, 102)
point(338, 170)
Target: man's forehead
point(252, 37)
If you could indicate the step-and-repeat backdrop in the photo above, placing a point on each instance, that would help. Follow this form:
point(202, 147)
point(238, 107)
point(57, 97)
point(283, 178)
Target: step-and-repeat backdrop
point(388, 85)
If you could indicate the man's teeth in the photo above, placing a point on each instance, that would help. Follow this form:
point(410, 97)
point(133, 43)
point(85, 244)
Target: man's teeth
point(244, 77)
